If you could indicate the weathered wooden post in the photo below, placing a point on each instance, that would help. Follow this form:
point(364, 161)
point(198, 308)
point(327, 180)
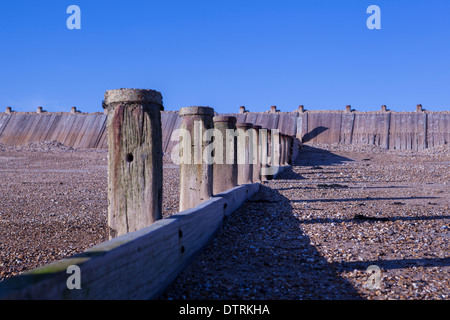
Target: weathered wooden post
point(301, 109)
point(73, 110)
point(419, 108)
point(242, 110)
point(291, 150)
point(39, 110)
point(269, 164)
point(134, 159)
point(273, 109)
point(275, 148)
point(264, 153)
point(225, 173)
point(257, 156)
point(245, 152)
point(383, 108)
point(282, 149)
point(348, 109)
point(8, 110)
point(196, 175)
point(286, 150)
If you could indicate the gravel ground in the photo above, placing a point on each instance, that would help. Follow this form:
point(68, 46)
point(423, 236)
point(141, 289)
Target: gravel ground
point(313, 232)
point(53, 203)
point(310, 234)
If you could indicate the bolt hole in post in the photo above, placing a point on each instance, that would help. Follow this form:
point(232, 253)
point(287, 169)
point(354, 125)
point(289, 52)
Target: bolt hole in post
point(129, 158)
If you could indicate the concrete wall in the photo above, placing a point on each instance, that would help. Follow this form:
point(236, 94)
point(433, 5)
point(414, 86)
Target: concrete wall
point(394, 130)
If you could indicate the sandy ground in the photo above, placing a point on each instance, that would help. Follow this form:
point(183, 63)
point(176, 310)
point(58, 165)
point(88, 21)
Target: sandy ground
point(310, 234)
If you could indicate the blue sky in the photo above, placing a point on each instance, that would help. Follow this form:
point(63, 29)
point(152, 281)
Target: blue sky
point(224, 54)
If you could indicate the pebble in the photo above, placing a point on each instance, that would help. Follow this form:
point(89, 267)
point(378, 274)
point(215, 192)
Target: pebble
point(54, 203)
point(330, 251)
point(311, 247)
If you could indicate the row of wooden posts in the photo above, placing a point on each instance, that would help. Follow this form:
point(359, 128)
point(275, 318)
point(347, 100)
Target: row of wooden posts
point(135, 157)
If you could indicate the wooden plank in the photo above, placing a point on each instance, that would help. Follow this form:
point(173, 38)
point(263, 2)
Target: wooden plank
point(87, 131)
point(66, 124)
point(103, 141)
point(347, 121)
point(51, 130)
point(168, 122)
point(251, 118)
point(323, 127)
point(101, 127)
point(55, 130)
point(387, 130)
point(43, 127)
point(4, 119)
point(138, 265)
point(172, 143)
point(8, 131)
point(287, 124)
point(33, 126)
point(21, 130)
point(74, 130)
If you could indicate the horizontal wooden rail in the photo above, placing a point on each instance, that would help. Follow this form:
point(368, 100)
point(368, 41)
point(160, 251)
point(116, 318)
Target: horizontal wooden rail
point(137, 265)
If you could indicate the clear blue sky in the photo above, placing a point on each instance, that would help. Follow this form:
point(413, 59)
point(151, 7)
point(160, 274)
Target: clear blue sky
point(224, 54)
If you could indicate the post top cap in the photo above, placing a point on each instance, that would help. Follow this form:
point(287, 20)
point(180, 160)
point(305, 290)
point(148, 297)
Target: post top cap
point(192, 111)
point(225, 119)
point(244, 125)
point(133, 95)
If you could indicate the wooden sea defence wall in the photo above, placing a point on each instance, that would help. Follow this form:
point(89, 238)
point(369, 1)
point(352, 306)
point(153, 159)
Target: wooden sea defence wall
point(72, 130)
point(391, 130)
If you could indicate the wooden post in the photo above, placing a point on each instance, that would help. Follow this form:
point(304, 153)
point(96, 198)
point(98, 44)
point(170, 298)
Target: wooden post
point(282, 150)
point(196, 176)
point(257, 156)
point(242, 110)
point(383, 108)
point(419, 108)
point(286, 150)
point(8, 110)
point(225, 174)
point(39, 110)
point(73, 110)
point(264, 153)
point(348, 109)
point(290, 150)
point(134, 159)
point(275, 142)
point(245, 148)
point(273, 109)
